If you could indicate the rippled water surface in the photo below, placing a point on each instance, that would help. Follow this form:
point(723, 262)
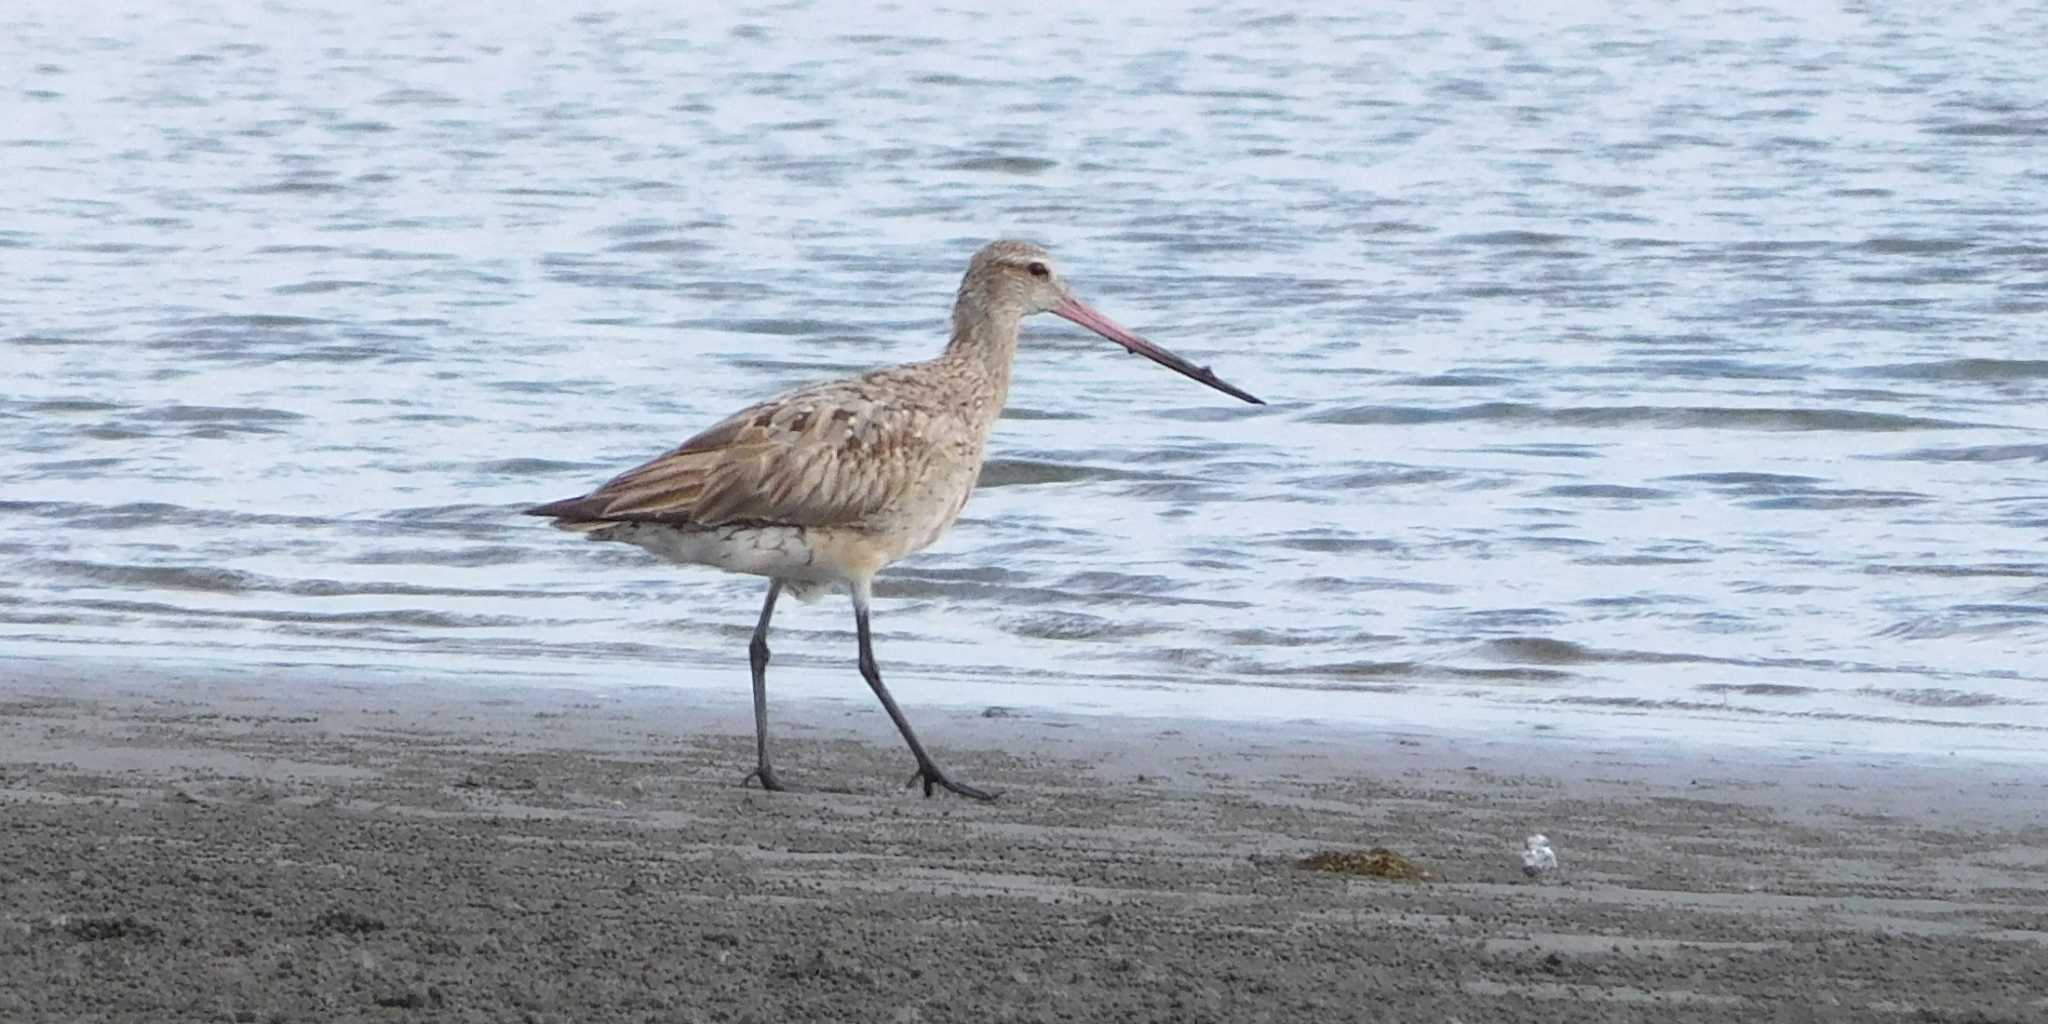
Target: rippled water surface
point(1679, 373)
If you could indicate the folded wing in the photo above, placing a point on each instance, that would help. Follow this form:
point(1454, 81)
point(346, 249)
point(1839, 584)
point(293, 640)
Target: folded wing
point(819, 457)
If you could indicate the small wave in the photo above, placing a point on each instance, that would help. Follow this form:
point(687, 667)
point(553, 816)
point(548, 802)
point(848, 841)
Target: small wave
point(1455, 380)
point(220, 580)
point(50, 618)
point(1548, 542)
point(532, 467)
point(416, 97)
point(133, 515)
point(1639, 560)
point(1210, 413)
point(1543, 650)
point(1771, 482)
point(1024, 472)
point(2021, 126)
point(1708, 368)
point(1390, 227)
point(781, 327)
point(1758, 689)
point(542, 387)
point(466, 557)
point(1108, 581)
point(1180, 491)
point(1972, 620)
point(215, 414)
point(458, 513)
point(1707, 417)
point(1015, 411)
point(1830, 500)
point(1611, 491)
point(401, 617)
point(1025, 165)
point(1545, 451)
point(1494, 620)
point(1391, 474)
point(1120, 589)
point(1359, 669)
point(75, 469)
point(1364, 584)
point(208, 579)
point(292, 188)
point(66, 405)
point(1061, 595)
point(547, 192)
point(643, 229)
point(2016, 570)
point(964, 574)
point(1938, 697)
point(1969, 369)
point(1323, 541)
point(2026, 610)
point(1075, 626)
point(1653, 704)
point(932, 78)
point(1423, 671)
point(803, 369)
point(660, 245)
point(1518, 239)
point(1266, 636)
point(322, 287)
point(1975, 453)
point(1893, 246)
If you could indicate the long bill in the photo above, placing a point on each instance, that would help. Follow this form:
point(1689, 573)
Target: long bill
point(1085, 315)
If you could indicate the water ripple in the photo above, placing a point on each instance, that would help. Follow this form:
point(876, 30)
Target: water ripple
point(1728, 407)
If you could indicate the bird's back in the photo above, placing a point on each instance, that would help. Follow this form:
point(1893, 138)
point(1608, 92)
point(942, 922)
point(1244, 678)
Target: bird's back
point(891, 449)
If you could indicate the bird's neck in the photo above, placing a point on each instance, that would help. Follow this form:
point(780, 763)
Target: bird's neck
point(985, 342)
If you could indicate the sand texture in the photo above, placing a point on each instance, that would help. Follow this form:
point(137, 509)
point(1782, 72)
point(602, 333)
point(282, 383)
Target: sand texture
point(225, 850)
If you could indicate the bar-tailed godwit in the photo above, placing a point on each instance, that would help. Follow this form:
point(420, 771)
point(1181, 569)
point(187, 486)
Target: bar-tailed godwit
point(826, 485)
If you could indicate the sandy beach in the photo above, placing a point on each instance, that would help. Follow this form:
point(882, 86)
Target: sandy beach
point(228, 848)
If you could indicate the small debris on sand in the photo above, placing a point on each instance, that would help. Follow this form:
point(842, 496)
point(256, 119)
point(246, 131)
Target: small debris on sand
point(1378, 862)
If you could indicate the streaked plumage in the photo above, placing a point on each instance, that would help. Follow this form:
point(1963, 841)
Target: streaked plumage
point(827, 484)
point(866, 462)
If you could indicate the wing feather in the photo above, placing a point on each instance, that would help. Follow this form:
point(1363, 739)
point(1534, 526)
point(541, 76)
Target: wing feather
point(826, 456)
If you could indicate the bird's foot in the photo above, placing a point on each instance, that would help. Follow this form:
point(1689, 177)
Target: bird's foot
point(766, 777)
point(930, 775)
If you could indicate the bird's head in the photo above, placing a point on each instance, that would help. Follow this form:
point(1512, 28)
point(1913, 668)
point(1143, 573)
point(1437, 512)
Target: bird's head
point(1009, 280)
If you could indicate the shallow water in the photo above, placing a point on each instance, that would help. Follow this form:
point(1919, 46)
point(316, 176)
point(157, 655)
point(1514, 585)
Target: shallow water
point(1677, 375)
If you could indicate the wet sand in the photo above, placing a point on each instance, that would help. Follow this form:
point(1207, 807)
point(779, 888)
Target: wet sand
point(226, 849)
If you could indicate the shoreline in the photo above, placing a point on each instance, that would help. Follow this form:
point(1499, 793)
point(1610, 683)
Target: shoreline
point(1699, 729)
point(227, 845)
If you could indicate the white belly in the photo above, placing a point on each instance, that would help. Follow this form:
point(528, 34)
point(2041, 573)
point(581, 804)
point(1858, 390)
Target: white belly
point(809, 560)
point(783, 552)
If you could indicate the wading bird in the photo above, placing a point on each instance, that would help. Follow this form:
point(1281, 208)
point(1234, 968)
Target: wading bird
point(826, 485)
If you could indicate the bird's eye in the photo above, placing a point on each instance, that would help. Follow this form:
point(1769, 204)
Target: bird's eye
point(1039, 269)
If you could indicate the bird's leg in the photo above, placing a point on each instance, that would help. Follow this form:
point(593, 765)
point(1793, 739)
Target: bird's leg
point(927, 771)
point(757, 656)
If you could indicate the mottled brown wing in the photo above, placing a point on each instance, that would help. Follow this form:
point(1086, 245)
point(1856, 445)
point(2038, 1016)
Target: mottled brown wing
point(818, 457)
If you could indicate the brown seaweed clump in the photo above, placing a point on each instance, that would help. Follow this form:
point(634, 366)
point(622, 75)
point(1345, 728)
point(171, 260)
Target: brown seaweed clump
point(1378, 862)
